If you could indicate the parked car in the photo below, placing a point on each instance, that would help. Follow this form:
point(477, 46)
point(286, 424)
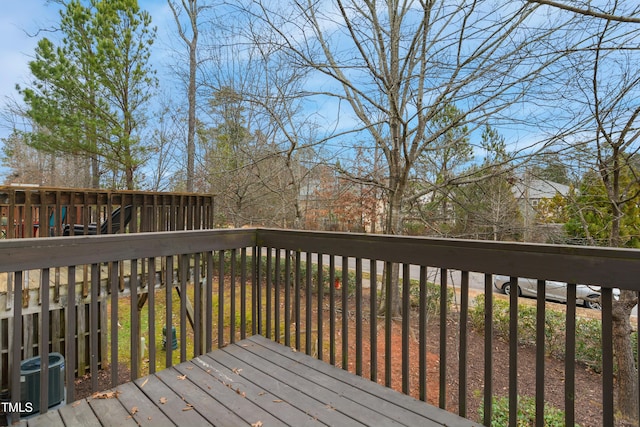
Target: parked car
point(586, 295)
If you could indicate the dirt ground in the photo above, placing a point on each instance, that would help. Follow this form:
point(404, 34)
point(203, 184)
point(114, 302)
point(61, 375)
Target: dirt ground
point(588, 384)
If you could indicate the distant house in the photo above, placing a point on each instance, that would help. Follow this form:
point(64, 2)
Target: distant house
point(529, 192)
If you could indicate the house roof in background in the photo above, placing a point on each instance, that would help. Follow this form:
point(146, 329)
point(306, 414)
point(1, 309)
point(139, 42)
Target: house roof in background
point(538, 189)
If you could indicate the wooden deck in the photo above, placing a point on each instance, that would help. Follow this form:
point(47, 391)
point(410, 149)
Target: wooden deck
point(254, 382)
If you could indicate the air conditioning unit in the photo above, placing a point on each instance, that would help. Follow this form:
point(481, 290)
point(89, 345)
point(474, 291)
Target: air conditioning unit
point(30, 381)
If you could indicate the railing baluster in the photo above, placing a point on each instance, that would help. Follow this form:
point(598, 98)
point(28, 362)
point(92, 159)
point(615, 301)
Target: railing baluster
point(320, 306)
point(541, 307)
point(184, 278)
point(232, 296)
point(388, 286)
point(332, 310)
point(151, 306)
point(373, 319)
point(269, 291)
point(221, 342)
point(442, 401)
point(308, 305)
point(296, 299)
point(276, 304)
point(197, 307)
point(422, 335)
point(243, 293)
point(69, 335)
point(570, 357)
point(94, 349)
point(344, 306)
point(255, 279)
point(406, 314)
point(488, 350)
point(16, 351)
point(208, 312)
point(287, 298)
point(359, 316)
point(134, 315)
point(168, 311)
point(115, 291)
point(462, 364)
point(44, 340)
point(513, 352)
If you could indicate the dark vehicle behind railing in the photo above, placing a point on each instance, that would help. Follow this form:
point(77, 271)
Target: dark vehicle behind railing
point(211, 286)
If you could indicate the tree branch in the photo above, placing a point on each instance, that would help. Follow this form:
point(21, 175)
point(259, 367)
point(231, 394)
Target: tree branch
point(587, 12)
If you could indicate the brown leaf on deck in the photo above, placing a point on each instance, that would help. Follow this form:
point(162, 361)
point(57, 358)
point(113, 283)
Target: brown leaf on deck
point(188, 407)
point(134, 410)
point(163, 400)
point(236, 371)
point(182, 377)
point(145, 382)
point(106, 395)
point(257, 424)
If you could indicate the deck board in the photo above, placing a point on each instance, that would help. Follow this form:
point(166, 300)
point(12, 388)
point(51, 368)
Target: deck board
point(239, 402)
point(252, 382)
point(79, 413)
point(143, 410)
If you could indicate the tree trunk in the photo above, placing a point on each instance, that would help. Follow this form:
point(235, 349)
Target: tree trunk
point(627, 390)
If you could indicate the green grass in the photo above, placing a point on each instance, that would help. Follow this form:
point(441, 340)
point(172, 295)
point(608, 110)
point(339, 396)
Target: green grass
point(125, 332)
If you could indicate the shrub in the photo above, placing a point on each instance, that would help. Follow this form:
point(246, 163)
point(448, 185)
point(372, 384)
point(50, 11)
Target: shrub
point(433, 297)
point(588, 331)
point(526, 413)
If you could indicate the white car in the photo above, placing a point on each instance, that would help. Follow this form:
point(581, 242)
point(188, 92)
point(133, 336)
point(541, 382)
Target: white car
point(586, 295)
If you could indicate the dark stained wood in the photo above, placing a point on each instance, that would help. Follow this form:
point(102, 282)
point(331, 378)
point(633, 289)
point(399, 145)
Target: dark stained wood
point(50, 419)
point(79, 414)
point(110, 412)
point(143, 410)
point(253, 382)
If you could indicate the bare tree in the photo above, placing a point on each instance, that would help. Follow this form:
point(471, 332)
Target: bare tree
point(188, 32)
point(397, 64)
point(605, 83)
point(165, 137)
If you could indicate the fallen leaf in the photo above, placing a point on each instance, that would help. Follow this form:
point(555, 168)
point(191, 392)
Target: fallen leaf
point(236, 371)
point(182, 377)
point(257, 424)
point(134, 410)
point(278, 401)
point(106, 395)
point(144, 383)
point(163, 400)
point(149, 418)
point(188, 407)
point(189, 367)
point(76, 403)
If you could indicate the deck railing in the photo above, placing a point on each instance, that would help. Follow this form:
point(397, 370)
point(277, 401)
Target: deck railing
point(218, 286)
point(33, 211)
